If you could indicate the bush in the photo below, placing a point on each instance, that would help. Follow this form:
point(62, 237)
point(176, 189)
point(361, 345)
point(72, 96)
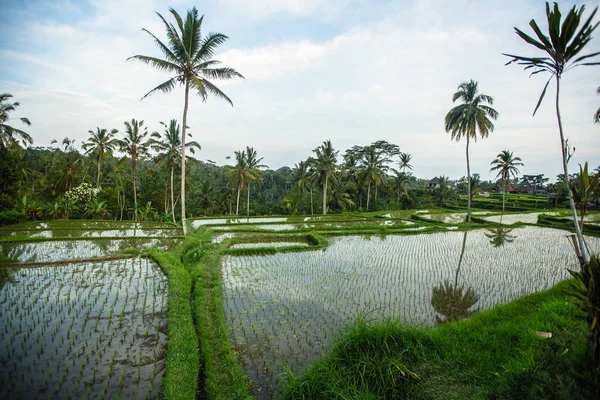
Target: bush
point(9, 217)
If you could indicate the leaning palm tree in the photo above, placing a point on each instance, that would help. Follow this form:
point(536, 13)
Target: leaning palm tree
point(561, 50)
point(168, 146)
point(135, 145)
point(100, 145)
point(11, 137)
point(238, 175)
point(467, 119)
point(506, 165)
point(253, 166)
point(190, 58)
point(324, 164)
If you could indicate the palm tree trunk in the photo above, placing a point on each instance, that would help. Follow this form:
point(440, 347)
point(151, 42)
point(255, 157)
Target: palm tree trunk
point(135, 215)
point(325, 196)
point(468, 183)
point(237, 204)
point(311, 202)
point(185, 110)
point(583, 260)
point(368, 195)
point(172, 201)
point(248, 202)
point(503, 194)
point(98, 173)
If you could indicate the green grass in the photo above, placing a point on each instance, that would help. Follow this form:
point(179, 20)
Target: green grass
point(494, 354)
point(223, 377)
point(182, 364)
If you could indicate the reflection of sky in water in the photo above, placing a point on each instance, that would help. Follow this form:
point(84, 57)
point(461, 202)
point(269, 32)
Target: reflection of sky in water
point(57, 250)
point(65, 332)
point(266, 244)
point(296, 299)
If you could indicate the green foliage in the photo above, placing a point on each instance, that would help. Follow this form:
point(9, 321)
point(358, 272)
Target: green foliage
point(586, 288)
point(9, 217)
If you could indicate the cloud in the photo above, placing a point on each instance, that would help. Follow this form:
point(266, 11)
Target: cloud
point(389, 77)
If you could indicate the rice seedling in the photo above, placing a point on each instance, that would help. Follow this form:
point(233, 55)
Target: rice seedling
point(284, 309)
point(57, 341)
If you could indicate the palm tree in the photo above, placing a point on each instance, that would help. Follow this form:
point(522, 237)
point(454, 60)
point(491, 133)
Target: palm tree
point(373, 167)
point(252, 171)
point(324, 164)
point(561, 50)
point(168, 145)
point(100, 145)
point(303, 176)
point(134, 145)
point(597, 115)
point(506, 165)
point(339, 195)
point(10, 136)
point(405, 161)
point(238, 174)
point(190, 58)
point(468, 118)
point(443, 191)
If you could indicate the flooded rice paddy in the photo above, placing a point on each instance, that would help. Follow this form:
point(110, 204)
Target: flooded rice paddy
point(60, 250)
point(83, 330)
point(285, 309)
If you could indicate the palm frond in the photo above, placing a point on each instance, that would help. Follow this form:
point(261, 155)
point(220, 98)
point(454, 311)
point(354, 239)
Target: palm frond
point(164, 87)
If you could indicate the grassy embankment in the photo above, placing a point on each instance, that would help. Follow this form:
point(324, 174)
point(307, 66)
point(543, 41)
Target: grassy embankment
point(182, 364)
point(494, 354)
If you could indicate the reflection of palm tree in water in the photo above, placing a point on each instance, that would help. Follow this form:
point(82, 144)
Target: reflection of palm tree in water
point(450, 300)
point(499, 236)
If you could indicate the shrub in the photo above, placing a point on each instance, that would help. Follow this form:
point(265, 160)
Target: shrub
point(9, 217)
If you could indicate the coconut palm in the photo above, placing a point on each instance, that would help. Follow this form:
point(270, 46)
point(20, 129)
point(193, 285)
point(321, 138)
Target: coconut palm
point(443, 191)
point(506, 165)
point(324, 164)
point(253, 166)
point(404, 162)
point(561, 52)
point(189, 57)
point(373, 165)
point(304, 177)
point(11, 137)
point(135, 145)
point(238, 175)
point(168, 145)
point(467, 119)
point(100, 145)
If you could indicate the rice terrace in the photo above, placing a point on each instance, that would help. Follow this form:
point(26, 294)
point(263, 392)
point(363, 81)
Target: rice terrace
point(133, 265)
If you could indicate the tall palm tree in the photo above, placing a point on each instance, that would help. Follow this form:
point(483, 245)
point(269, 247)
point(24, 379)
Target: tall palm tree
point(238, 175)
point(597, 115)
point(253, 166)
point(404, 162)
point(324, 164)
point(10, 136)
point(561, 50)
point(189, 57)
point(443, 191)
point(100, 145)
point(506, 165)
point(135, 145)
point(467, 119)
point(303, 177)
point(373, 165)
point(168, 145)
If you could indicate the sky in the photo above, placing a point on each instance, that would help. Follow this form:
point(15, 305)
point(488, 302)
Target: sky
point(352, 71)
